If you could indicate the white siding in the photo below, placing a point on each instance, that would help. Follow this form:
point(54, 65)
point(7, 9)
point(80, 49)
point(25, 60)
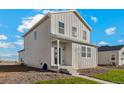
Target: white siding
point(104, 57)
point(38, 51)
point(69, 19)
point(80, 62)
point(121, 57)
point(21, 56)
point(68, 54)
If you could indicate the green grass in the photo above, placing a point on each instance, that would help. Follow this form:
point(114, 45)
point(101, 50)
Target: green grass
point(73, 80)
point(116, 76)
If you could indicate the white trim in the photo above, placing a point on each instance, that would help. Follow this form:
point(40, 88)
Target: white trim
point(58, 53)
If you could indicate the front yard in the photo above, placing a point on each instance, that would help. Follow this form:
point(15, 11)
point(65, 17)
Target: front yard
point(115, 75)
point(72, 80)
point(14, 73)
point(112, 74)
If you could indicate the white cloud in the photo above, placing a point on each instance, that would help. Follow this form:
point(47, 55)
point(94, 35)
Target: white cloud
point(103, 43)
point(6, 45)
point(94, 19)
point(46, 11)
point(3, 37)
point(8, 55)
point(17, 36)
point(28, 22)
point(19, 42)
point(110, 31)
point(120, 41)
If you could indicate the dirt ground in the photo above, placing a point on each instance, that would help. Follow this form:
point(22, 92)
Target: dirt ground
point(14, 73)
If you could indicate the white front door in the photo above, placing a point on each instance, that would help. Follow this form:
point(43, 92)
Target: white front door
point(54, 56)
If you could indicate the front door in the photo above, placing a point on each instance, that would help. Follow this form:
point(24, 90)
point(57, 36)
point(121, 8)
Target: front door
point(61, 57)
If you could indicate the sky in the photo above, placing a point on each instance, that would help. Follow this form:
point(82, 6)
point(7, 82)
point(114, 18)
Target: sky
point(107, 26)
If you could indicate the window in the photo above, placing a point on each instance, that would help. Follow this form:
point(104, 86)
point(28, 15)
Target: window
point(35, 35)
point(113, 57)
point(84, 35)
point(74, 31)
point(83, 51)
point(61, 27)
point(88, 52)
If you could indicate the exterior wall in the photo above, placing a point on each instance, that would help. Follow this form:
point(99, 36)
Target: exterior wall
point(21, 56)
point(38, 51)
point(121, 57)
point(69, 19)
point(80, 62)
point(68, 54)
point(104, 58)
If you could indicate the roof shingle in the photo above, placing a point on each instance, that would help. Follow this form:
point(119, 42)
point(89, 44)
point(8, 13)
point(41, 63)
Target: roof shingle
point(110, 48)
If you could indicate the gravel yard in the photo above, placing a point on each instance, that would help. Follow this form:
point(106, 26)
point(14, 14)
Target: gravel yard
point(17, 74)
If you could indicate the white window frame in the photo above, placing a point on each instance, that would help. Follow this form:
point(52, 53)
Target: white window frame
point(89, 53)
point(85, 52)
point(61, 28)
point(84, 35)
point(74, 32)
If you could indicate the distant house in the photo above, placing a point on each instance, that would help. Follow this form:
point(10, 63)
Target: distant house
point(60, 40)
point(111, 55)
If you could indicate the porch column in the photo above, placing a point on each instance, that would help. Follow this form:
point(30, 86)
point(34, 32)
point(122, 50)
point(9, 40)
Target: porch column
point(58, 54)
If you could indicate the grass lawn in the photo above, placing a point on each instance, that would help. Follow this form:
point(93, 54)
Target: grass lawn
point(73, 80)
point(115, 75)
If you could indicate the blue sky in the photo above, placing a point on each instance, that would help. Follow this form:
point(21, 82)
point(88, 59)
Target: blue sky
point(107, 25)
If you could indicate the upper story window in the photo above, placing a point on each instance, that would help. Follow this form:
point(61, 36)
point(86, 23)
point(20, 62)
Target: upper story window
point(74, 31)
point(83, 51)
point(61, 27)
point(35, 35)
point(88, 52)
point(84, 35)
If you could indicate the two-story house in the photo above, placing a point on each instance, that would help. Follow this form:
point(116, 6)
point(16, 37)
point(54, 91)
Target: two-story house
point(59, 40)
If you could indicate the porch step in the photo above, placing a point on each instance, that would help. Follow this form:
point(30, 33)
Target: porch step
point(70, 71)
point(73, 72)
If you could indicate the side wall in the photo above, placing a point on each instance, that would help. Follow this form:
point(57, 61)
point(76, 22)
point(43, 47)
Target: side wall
point(38, 51)
point(80, 62)
point(104, 58)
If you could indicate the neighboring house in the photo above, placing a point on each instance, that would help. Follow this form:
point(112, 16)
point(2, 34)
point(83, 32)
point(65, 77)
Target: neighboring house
point(111, 55)
point(59, 40)
point(21, 56)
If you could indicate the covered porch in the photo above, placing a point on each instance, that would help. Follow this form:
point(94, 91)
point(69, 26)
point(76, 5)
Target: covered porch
point(61, 54)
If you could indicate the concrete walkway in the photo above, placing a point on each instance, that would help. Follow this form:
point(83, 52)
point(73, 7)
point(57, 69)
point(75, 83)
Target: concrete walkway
point(94, 79)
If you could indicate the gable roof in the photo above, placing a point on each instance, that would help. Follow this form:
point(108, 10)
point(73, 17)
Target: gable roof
point(110, 48)
point(78, 15)
point(48, 14)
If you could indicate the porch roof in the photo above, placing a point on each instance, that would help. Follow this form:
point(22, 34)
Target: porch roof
point(71, 40)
